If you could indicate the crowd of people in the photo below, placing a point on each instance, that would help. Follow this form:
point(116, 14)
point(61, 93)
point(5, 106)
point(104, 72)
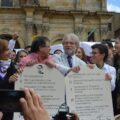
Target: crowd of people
point(104, 55)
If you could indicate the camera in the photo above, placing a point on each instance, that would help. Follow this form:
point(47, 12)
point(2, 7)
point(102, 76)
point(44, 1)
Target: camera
point(10, 100)
point(63, 113)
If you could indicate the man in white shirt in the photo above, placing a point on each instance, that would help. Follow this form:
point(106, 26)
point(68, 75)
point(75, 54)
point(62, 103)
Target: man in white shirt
point(68, 61)
point(13, 41)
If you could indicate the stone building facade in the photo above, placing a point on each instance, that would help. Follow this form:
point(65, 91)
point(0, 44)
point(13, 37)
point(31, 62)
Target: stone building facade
point(116, 25)
point(53, 18)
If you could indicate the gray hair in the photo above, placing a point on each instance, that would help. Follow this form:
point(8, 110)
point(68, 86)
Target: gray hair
point(73, 37)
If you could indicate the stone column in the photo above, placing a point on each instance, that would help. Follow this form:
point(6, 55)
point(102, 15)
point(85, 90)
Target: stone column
point(104, 28)
point(46, 26)
point(39, 28)
point(81, 4)
point(78, 4)
point(29, 23)
point(29, 2)
point(78, 25)
point(45, 29)
point(104, 31)
point(22, 2)
point(29, 32)
point(16, 3)
point(0, 2)
point(104, 5)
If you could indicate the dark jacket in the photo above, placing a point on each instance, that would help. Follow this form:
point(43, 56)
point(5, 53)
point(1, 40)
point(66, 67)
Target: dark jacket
point(4, 84)
point(117, 67)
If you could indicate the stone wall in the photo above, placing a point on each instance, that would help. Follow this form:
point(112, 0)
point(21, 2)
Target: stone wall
point(54, 18)
point(91, 5)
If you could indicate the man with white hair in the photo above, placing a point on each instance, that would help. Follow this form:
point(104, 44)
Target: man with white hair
point(68, 61)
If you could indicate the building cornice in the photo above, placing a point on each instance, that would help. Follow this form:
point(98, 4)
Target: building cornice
point(49, 11)
point(11, 10)
point(105, 13)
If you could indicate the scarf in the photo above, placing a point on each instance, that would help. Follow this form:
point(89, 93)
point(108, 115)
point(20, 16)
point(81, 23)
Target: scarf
point(4, 65)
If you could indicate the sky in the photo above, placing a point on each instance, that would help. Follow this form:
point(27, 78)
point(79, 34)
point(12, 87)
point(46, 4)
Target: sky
point(113, 5)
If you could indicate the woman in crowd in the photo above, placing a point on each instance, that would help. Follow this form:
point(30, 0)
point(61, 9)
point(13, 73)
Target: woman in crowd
point(13, 55)
point(8, 73)
point(20, 55)
point(80, 53)
point(110, 52)
point(7, 68)
point(99, 56)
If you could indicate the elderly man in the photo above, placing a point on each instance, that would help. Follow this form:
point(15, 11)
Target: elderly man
point(67, 61)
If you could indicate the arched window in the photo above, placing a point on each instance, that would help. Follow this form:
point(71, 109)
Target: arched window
point(7, 3)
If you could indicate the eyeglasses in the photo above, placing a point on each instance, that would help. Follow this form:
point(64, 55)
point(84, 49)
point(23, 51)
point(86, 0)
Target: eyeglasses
point(21, 56)
point(46, 46)
point(93, 53)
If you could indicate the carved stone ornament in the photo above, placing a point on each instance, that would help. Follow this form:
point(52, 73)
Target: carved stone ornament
point(79, 29)
point(28, 24)
point(42, 27)
point(104, 30)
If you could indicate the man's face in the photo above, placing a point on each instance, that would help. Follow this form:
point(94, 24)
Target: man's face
point(117, 47)
point(15, 36)
point(69, 47)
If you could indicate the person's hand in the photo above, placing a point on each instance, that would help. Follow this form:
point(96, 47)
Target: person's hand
point(32, 106)
point(108, 76)
point(30, 63)
point(1, 114)
point(75, 116)
point(75, 69)
point(50, 64)
point(91, 66)
point(13, 77)
point(20, 70)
